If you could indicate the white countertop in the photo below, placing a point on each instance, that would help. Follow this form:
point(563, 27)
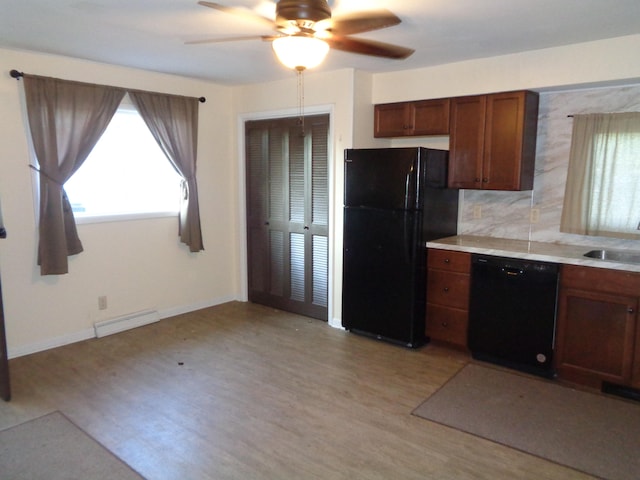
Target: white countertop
point(545, 252)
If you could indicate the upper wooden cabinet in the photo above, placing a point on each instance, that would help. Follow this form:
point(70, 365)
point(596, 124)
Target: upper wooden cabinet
point(493, 141)
point(423, 117)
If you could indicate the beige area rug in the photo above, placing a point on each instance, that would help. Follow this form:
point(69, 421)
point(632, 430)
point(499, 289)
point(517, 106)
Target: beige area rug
point(53, 448)
point(595, 434)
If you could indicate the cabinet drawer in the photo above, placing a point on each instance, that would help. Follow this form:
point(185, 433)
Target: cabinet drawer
point(447, 324)
point(449, 260)
point(600, 279)
point(448, 288)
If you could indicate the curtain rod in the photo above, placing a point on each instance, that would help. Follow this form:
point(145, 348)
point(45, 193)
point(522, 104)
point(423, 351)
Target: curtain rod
point(17, 75)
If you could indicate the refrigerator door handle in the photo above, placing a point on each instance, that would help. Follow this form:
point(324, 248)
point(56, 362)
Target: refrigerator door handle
point(407, 186)
point(408, 236)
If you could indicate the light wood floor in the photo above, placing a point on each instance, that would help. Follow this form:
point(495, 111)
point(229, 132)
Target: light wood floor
point(241, 391)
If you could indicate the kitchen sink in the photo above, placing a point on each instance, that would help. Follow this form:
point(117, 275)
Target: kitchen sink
point(622, 256)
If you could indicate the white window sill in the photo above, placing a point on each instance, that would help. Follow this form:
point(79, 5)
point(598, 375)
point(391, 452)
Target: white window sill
point(82, 220)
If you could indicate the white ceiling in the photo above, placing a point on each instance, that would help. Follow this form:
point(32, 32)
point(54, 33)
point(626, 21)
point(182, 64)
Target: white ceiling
point(151, 34)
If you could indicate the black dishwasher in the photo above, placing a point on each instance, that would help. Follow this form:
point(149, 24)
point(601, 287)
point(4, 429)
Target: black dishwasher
point(512, 312)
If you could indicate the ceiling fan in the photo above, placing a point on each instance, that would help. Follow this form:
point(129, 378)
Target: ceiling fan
point(309, 23)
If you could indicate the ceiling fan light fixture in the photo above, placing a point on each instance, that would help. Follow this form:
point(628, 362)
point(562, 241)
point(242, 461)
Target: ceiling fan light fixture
point(300, 52)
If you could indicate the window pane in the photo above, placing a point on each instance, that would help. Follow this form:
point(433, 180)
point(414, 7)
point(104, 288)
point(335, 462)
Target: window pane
point(602, 195)
point(615, 195)
point(126, 173)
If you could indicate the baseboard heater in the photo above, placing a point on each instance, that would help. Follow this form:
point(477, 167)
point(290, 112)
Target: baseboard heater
point(126, 322)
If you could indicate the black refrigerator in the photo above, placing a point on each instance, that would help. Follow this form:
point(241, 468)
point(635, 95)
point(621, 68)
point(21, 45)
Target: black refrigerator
point(395, 200)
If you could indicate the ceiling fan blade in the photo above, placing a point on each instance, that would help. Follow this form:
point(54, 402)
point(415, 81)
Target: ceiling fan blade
point(368, 47)
point(362, 22)
point(242, 12)
point(266, 38)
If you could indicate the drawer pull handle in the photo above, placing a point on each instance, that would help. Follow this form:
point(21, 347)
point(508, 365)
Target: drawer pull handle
point(446, 260)
point(630, 310)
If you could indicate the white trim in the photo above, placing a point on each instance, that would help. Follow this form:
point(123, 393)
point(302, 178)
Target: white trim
point(122, 217)
point(49, 343)
point(242, 189)
point(126, 322)
point(174, 311)
point(90, 333)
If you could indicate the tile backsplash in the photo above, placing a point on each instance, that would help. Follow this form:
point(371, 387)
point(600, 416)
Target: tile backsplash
point(508, 214)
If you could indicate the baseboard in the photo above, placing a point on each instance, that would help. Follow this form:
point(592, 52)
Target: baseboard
point(126, 322)
point(336, 323)
point(172, 312)
point(88, 333)
point(50, 343)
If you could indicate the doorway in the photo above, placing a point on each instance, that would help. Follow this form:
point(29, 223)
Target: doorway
point(288, 213)
point(5, 384)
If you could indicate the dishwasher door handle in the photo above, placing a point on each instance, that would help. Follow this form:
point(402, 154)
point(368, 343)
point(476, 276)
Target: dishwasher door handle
point(513, 272)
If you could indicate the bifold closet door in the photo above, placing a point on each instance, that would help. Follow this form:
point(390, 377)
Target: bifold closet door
point(287, 213)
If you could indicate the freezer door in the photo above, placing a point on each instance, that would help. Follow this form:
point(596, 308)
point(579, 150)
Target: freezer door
point(382, 178)
point(384, 275)
point(394, 178)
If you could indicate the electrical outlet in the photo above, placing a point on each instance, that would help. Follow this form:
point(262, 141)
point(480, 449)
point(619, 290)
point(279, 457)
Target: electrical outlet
point(102, 302)
point(534, 217)
point(477, 211)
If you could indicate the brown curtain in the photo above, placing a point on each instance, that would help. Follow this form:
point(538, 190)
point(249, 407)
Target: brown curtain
point(173, 121)
point(66, 120)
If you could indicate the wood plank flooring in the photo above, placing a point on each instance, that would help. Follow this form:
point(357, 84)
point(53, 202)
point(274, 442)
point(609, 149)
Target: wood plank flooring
point(242, 391)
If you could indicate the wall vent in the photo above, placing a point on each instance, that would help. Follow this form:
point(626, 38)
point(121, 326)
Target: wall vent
point(126, 322)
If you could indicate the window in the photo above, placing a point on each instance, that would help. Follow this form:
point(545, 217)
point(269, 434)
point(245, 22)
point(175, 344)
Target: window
point(602, 195)
point(126, 174)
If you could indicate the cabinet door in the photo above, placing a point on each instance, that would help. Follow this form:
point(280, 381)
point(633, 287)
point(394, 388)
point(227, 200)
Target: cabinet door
point(391, 120)
point(430, 117)
point(595, 337)
point(467, 142)
point(635, 374)
point(509, 142)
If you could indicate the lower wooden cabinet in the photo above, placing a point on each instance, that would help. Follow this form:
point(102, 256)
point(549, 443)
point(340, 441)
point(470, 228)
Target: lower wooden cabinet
point(448, 282)
point(597, 337)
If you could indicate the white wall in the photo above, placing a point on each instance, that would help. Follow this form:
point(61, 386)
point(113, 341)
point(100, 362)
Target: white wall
point(592, 63)
point(140, 264)
point(136, 264)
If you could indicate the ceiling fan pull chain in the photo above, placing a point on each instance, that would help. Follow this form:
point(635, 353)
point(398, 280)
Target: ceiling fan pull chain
point(300, 98)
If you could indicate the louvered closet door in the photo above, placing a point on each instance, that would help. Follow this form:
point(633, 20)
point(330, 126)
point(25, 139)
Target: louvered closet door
point(287, 214)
